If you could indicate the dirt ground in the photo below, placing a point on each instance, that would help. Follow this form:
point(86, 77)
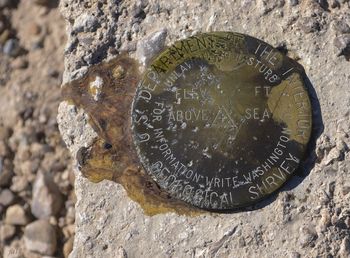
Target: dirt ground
point(32, 39)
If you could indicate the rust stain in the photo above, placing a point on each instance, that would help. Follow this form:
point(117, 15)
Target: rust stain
point(106, 93)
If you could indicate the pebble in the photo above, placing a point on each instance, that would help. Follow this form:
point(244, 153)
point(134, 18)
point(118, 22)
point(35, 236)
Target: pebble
point(121, 253)
point(4, 149)
point(294, 255)
point(38, 150)
point(12, 48)
point(40, 236)
point(47, 199)
point(325, 220)
point(150, 46)
point(307, 236)
point(342, 44)
point(6, 172)
point(294, 2)
point(70, 216)
point(68, 247)
point(15, 215)
point(6, 197)
point(344, 251)
point(6, 232)
point(334, 4)
point(323, 4)
point(19, 63)
point(5, 3)
point(138, 12)
point(14, 250)
point(85, 23)
point(341, 26)
point(309, 24)
point(19, 184)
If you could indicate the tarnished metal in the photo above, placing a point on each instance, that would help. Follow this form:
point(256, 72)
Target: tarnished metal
point(221, 120)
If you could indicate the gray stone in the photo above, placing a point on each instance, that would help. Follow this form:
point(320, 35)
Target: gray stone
point(6, 197)
point(150, 46)
point(294, 2)
point(307, 236)
point(68, 247)
point(342, 44)
point(19, 184)
point(6, 172)
point(5, 3)
point(341, 26)
point(344, 251)
point(294, 255)
point(12, 48)
point(14, 250)
point(47, 199)
point(85, 23)
point(309, 24)
point(16, 215)
point(6, 232)
point(40, 237)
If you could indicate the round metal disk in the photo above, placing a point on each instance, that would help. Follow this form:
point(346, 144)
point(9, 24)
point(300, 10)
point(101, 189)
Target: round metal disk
point(221, 120)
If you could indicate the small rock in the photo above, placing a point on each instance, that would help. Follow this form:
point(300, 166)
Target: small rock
point(334, 4)
point(15, 215)
point(70, 216)
point(307, 236)
point(241, 242)
point(14, 250)
point(345, 190)
point(309, 24)
point(38, 150)
point(47, 199)
point(149, 47)
point(323, 4)
point(294, 2)
point(5, 3)
point(85, 23)
point(6, 232)
point(68, 247)
point(12, 48)
point(342, 44)
point(69, 230)
point(4, 36)
point(19, 184)
point(344, 251)
point(6, 172)
point(341, 26)
point(40, 237)
point(34, 29)
point(19, 63)
point(5, 133)
point(325, 220)
point(38, 43)
point(6, 197)
point(138, 12)
point(294, 255)
point(121, 253)
point(4, 149)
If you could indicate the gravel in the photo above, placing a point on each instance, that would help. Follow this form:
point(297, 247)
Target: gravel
point(40, 236)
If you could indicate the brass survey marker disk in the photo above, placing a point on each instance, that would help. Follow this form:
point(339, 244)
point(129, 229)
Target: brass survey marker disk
point(221, 120)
